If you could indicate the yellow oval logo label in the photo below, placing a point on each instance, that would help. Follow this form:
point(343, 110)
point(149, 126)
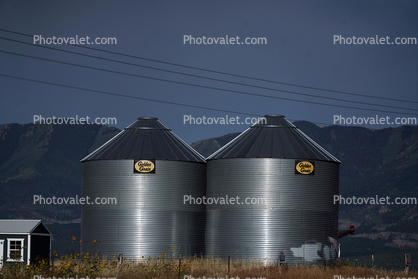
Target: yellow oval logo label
point(305, 167)
point(144, 166)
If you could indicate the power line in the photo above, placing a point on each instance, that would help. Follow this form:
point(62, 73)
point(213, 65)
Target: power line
point(196, 85)
point(151, 100)
point(207, 78)
point(224, 73)
point(125, 96)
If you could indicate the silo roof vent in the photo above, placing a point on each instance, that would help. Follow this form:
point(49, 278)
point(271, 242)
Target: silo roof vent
point(273, 137)
point(149, 139)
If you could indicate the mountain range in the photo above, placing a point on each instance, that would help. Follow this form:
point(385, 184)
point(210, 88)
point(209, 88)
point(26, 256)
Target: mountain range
point(44, 160)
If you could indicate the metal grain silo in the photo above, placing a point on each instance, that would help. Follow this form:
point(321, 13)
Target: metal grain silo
point(297, 179)
point(148, 169)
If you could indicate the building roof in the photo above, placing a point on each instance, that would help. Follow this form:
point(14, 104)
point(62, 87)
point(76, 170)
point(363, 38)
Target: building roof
point(149, 139)
point(10, 226)
point(273, 137)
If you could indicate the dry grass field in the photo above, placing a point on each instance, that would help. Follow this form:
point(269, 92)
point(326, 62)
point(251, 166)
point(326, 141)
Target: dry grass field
point(91, 266)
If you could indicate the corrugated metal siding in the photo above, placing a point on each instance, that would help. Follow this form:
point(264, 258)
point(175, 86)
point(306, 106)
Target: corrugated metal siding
point(150, 217)
point(299, 214)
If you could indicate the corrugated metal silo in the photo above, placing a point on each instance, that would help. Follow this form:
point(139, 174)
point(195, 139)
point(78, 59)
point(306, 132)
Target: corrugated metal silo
point(148, 169)
point(298, 215)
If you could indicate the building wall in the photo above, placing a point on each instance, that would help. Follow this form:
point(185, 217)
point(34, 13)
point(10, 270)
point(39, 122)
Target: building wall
point(17, 236)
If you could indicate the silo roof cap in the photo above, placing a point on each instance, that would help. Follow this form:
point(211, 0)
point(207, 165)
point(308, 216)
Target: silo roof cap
point(273, 137)
point(149, 139)
point(147, 118)
point(274, 115)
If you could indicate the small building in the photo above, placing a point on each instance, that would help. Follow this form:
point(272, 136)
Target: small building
point(24, 241)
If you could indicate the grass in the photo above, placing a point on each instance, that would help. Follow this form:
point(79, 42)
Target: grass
point(193, 267)
point(79, 265)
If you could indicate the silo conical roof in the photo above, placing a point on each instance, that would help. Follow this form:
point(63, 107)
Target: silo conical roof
point(273, 137)
point(147, 138)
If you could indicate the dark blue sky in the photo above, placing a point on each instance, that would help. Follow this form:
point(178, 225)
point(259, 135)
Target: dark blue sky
point(299, 50)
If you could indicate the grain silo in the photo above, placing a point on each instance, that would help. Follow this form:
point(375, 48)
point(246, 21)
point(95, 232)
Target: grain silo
point(275, 161)
point(148, 169)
